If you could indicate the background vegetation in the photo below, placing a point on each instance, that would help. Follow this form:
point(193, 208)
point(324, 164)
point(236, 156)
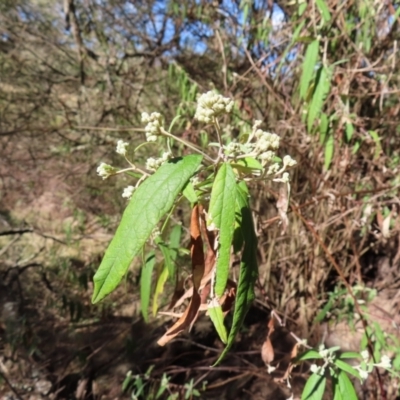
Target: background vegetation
point(75, 77)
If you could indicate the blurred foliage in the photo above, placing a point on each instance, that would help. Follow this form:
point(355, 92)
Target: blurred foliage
point(75, 77)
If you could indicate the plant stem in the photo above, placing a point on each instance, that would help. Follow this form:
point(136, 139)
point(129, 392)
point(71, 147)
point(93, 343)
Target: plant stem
point(187, 144)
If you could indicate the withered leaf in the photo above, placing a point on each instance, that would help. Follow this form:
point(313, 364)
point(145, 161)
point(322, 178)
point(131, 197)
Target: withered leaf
point(197, 255)
point(267, 350)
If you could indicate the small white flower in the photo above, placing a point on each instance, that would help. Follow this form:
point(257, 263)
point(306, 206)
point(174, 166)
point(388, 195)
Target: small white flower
point(104, 170)
point(151, 138)
point(365, 355)
point(128, 191)
point(267, 156)
point(289, 162)
point(233, 149)
point(257, 124)
point(273, 169)
point(385, 362)
point(363, 374)
point(154, 125)
point(152, 164)
point(122, 147)
point(314, 368)
point(210, 105)
point(166, 156)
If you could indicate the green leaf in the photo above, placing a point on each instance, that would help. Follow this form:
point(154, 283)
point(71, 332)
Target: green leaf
point(309, 355)
point(222, 215)
point(310, 60)
point(190, 193)
point(329, 150)
point(337, 395)
point(377, 140)
point(145, 285)
point(321, 91)
point(324, 10)
point(350, 354)
point(346, 387)
point(323, 127)
point(349, 131)
point(174, 241)
point(217, 318)
point(248, 267)
point(149, 203)
point(165, 250)
point(295, 37)
point(159, 287)
point(356, 147)
point(314, 388)
point(302, 8)
point(346, 367)
point(247, 165)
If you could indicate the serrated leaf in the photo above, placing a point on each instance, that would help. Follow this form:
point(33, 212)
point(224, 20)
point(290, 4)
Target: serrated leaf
point(321, 91)
point(329, 150)
point(217, 318)
point(347, 368)
point(222, 215)
point(145, 285)
point(310, 60)
point(248, 267)
point(314, 388)
point(346, 387)
point(324, 10)
point(149, 203)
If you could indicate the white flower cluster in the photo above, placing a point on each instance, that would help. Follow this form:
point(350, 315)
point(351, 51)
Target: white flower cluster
point(122, 147)
point(235, 149)
point(367, 367)
point(128, 192)
point(154, 125)
point(153, 164)
point(104, 170)
point(210, 105)
point(266, 141)
point(261, 145)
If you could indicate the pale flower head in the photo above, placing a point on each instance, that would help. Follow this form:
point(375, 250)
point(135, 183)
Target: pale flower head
point(154, 125)
point(365, 355)
point(363, 374)
point(128, 192)
point(288, 161)
point(104, 170)
point(122, 147)
point(385, 362)
point(153, 164)
point(210, 105)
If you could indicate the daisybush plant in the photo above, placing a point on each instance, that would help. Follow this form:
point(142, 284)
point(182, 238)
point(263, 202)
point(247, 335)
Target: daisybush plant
point(215, 183)
point(336, 366)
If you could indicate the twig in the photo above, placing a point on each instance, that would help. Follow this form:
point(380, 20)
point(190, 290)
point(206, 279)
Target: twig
point(18, 231)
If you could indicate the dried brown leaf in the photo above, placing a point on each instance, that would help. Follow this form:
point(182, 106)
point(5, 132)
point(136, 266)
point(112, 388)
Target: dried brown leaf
point(267, 351)
point(197, 255)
